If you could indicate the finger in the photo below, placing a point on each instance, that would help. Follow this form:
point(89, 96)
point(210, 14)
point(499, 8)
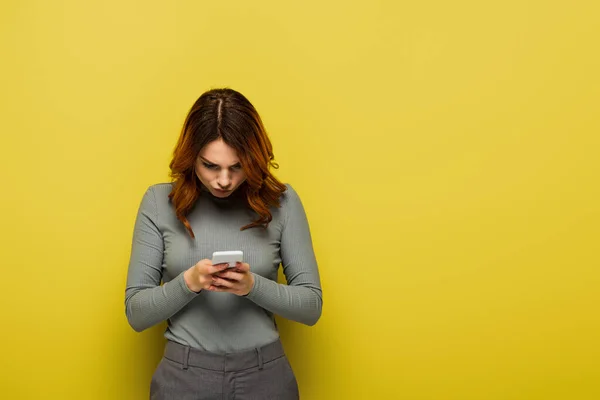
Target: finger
point(225, 283)
point(220, 289)
point(230, 275)
point(212, 269)
point(235, 290)
point(242, 267)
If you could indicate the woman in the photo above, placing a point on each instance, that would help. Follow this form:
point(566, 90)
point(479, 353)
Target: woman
point(222, 340)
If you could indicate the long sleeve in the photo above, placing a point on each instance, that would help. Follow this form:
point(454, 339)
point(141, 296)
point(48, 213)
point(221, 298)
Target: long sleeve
point(301, 299)
point(148, 303)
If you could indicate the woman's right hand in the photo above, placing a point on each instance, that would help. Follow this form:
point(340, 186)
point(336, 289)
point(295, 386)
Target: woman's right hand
point(200, 276)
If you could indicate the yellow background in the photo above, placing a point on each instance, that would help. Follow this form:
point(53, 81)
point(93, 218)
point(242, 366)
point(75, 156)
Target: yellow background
point(446, 153)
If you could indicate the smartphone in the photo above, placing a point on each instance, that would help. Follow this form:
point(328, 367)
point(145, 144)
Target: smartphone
point(231, 257)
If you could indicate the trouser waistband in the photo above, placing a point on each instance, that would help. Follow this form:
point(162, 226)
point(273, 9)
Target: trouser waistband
point(189, 356)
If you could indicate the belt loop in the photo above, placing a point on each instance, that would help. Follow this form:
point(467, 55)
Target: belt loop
point(186, 355)
point(260, 359)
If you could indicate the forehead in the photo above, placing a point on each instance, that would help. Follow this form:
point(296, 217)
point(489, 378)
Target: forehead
point(219, 152)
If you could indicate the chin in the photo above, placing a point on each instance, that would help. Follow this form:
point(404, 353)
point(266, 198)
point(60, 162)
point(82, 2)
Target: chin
point(220, 194)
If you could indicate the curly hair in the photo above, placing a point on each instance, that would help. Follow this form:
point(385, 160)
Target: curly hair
point(225, 114)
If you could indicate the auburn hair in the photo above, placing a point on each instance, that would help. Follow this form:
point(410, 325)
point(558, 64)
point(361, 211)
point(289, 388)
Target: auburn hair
point(225, 114)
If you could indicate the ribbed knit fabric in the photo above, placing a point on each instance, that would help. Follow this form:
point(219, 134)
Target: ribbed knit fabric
point(220, 322)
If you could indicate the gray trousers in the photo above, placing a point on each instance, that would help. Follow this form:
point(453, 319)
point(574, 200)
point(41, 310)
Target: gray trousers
point(186, 373)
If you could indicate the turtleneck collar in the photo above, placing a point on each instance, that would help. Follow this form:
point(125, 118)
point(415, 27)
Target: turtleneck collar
point(236, 196)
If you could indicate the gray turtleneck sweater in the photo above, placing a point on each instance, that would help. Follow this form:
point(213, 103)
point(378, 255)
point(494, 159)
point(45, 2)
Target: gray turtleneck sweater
point(220, 322)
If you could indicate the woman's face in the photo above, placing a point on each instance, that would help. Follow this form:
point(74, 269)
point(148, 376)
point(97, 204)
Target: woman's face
point(219, 168)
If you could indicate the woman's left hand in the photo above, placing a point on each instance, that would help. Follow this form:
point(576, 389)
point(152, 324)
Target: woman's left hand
point(237, 280)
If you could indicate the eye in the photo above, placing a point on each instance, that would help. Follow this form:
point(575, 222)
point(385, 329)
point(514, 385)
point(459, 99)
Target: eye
point(236, 167)
point(210, 166)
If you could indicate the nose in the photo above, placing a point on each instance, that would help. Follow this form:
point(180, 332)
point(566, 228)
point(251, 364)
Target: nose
point(224, 180)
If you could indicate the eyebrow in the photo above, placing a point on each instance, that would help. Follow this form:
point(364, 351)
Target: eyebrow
point(210, 162)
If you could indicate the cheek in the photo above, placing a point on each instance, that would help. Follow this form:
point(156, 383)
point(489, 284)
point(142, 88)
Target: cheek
point(201, 175)
point(241, 178)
